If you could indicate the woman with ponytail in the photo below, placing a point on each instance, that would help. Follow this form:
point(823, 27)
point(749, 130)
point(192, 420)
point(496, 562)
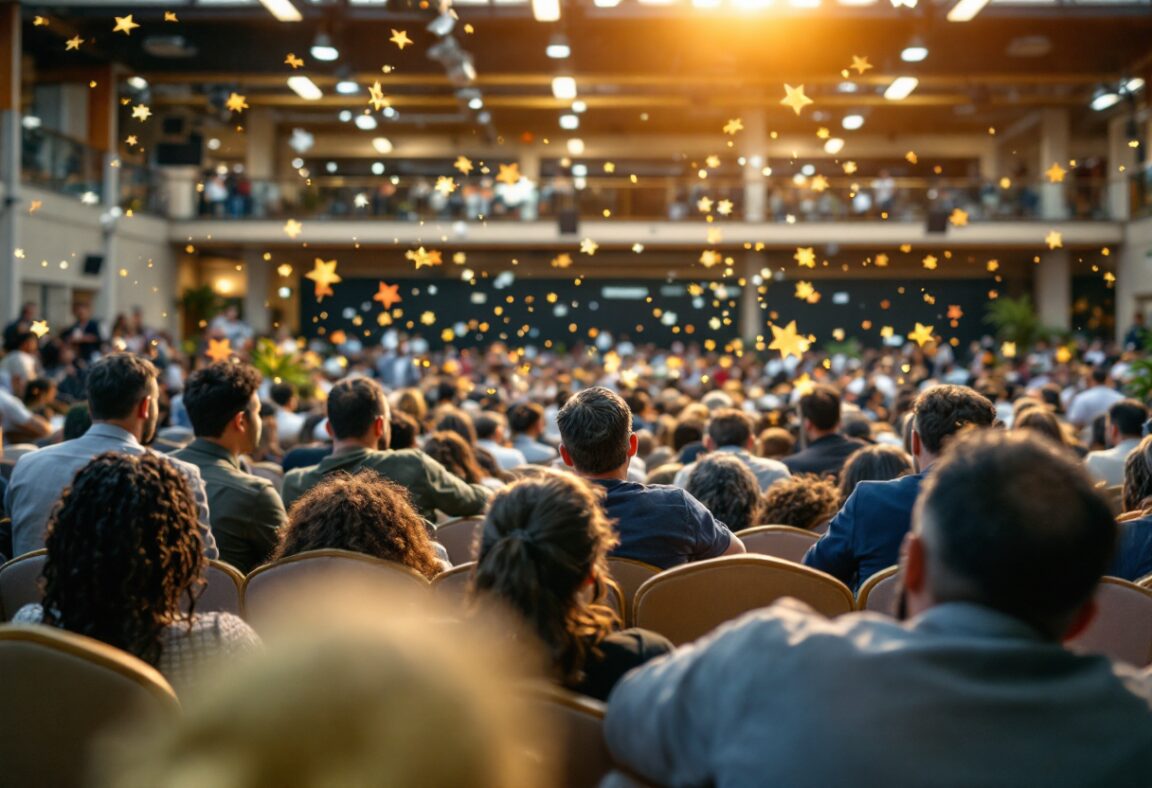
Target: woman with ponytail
point(543, 555)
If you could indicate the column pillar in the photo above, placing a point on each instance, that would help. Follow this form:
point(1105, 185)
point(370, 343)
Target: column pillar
point(1052, 287)
point(753, 143)
point(260, 156)
point(751, 316)
point(1121, 167)
point(258, 274)
point(102, 137)
point(1054, 134)
point(10, 144)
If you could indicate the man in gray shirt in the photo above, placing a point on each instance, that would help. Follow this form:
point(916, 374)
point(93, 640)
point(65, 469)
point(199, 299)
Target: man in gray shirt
point(730, 431)
point(1008, 545)
point(123, 397)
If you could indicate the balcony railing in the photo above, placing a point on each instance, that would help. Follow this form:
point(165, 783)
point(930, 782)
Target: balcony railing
point(58, 163)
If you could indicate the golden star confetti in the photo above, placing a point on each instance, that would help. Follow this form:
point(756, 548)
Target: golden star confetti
point(609, 167)
point(638, 248)
point(1054, 239)
point(710, 257)
point(131, 140)
point(39, 328)
point(464, 164)
point(804, 290)
point(39, 21)
point(219, 349)
point(589, 247)
point(724, 207)
point(388, 295)
point(1056, 173)
point(293, 228)
point(291, 60)
point(930, 262)
point(324, 275)
point(955, 312)
point(170, 16)
point(787, 341)
point(400, 38)
point(562, 260)
point(361, 200)
point(850, 167)
point(714, 235)
point(428, 318)
point(509, 174)
point(734, 125)
point(861, 64)
point(424, 258)
point(905, 248)
point(376, 96)
point(1008, 350)
point(819, 183)
point(993, 266)
point(806, 257)
point(887, 332)
point(459, 258)
point(125, 25)
point(18, 253)
point(958, 218)
point(823, 133)
point(795, 98)
point(445, 185)
point(881, 260)
point(236, 103)
point(922, 335)
point(704, 205)
point(284, 270)
point(141, 113)
point(1063, 355)
point(35, 205)
point(73, 43)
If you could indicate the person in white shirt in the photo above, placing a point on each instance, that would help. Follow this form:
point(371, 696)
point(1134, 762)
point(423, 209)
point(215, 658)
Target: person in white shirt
point(18, 423)
point(21, 365)
point(1124, 428)
point(1093, 401)
point(491, 429)
point(288, 421)
point(526, 420)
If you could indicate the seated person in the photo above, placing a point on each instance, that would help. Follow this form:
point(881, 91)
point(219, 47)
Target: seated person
point(454, 453)
point(526, 420)
point(826, 449)
point(1124, 425)
point(543, 555)
point(876, 463)
point(974, 689)
point(728, 489)
point(1136, 497)
point(363, 513)
point(125, 559)
point(805, 501)
point(491, 436)
point(661, 526)
point(359, 421)
point(1133, 557)
point(730, 432)
point(865, 535)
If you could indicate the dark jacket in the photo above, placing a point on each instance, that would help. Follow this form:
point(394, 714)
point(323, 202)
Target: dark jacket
point(824, 456)
point(1133, 549)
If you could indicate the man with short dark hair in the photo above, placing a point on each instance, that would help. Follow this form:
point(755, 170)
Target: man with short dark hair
point(359, 421)
point(288, 421)
point(492, 437)
point(1094, 400)
point(827, 450)
point(731, 431)
point(865, 535)
point(659, 525)
point(123, 397)
point(1008, 547)
point(1123, 428)
point(246, 510)
point(526, 420)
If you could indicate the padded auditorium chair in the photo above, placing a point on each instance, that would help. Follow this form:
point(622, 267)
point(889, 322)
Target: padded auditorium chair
point(460, 538)
point(577, 721)
point(451, 587)
point(881, 592)
point(778, 541)
point(1122, 628)
point(629, 576)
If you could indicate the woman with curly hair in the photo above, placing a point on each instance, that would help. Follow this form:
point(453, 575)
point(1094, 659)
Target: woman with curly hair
point(803, 501)
point(728, 489)
point(364, 513)
point(454, 453)
point(124, 566)
point(543, 555)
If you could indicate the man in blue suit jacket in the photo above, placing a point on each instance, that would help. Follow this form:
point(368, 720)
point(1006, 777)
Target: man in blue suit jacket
point(865, 535)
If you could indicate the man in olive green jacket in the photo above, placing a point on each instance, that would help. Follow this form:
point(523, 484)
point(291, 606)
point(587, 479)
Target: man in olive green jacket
point(245, 510)
point(358, 420)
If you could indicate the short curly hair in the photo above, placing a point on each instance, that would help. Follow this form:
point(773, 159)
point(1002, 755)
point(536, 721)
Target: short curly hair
point(803, 501)
point(728, 489)
point(364, 513)
point(942, 411)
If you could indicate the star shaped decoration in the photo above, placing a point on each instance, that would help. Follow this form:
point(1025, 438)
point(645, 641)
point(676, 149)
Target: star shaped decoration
point(400, 38)
point(881, 260)
point(424, 258)
point(39, 328)
point(1008, 350)
point(734, 125)
point(285, 270)
point(361, 200)
point(141, 113)
point(993, 266)
point(823, 133)
point(922, 335)
point(1056, 173)
point(73, 43)
point(849, 167)
point(955, 312)
point(219, 350)
point(125, 25)
point(724, 207)
point(324, 275)
point(459, 258)
point(795, 98)
point(1054, 239)
point(562, 260)
point(806, 257)
point(509, 174)
point(930, 262)
point(589, 247)
point(712, 162)
point(787, 341)
point(293, 61)
point(861, 64)
point(39, 22)
point(464, 164)
point(445, 185)
point(958, 218)
point(911, 157)
point(293, 228)
point(236, 103)
point(704, 205)
point(35, 205)
point(819, 183)
point(609, 167)
point(131, 140)
point(170, 16)
point(428, 318)
point(714, 236)
point(804, 290)
point(388, 295)
point(376, 96)
point(18, 253)
point(710, 257)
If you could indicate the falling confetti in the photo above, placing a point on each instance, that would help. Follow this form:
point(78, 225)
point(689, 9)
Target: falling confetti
point(236, 103)
point(125, 25)
point(806, 257)
point(39, 328)
point(861, 64)
point(1054, 239)
point(376, 97)
point(930, 262)
point(324, 275)
point(424, 258)
point(589, 247)
point(562, 260)
point(170, 16)
point(922, 335)
point(400, 38)
point(787, 341)
point(219, 350)
point(293, 228)
point(73, 43)
point(704, 205)
point(733, 126)
point(464, 165)
point(509, 174)
point(293, 61)
point(795, 98)
point(445, 185)
point(1056, 173)
point(141, 113)
point(958, 218)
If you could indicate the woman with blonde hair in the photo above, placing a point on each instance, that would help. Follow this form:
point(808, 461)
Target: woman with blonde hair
point(543, 555)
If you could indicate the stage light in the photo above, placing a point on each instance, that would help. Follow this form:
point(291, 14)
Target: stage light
point(564, 87)
point(282, 10)
point(901, 88)
point(322, 48)
point(546, 10)
point(852, 122)
point(966, 10)
point(138, 83)
point(305, 88)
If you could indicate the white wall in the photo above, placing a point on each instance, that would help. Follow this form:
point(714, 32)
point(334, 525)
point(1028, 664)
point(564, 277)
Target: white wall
point(1133, 273)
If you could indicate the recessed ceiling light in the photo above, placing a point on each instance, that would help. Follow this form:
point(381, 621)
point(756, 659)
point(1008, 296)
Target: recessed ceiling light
point(564, 87)
point(852, 122)
point(546, 10)
point(1104, 98)
point(282, 10)
point(305, 88)
point(576, 146)
point(579, 106)
point(914, 53)
point(569, 122)
point(347, 87)
point(558, 47)
point(966, 10)
point(365, 122)
point(382, 145)
point(901, 88)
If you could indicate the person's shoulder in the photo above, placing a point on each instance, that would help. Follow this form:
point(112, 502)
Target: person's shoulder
point(643, 643)
point(227, 626)
point(32, 613)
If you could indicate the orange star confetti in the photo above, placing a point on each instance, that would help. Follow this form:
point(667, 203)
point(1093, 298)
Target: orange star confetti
point(881, 260)
point(849, 167)
point(861, 64)
point(733, 126)
point(35, 205)
point(930, 262)
point(236, 103)
point(1056, 173)
point(806, 257)
point(424, 258)
point(804, 290)
point(324, 275)
point(562, 260)
point(795, 98)
point(911, 157)
point(955, 312)
point(293, 61)
point(170, 16)
point(922, 335)
point(400, 38)
point(1054, 239)
point(958, 218)
point(293, 228)
point(464, 164)
point(788, 341)
point(219, 350)
point(388, 295)
point(73, 43)
point(710, 257)
point(509, 174)
point(125, 25)
point(131, 140)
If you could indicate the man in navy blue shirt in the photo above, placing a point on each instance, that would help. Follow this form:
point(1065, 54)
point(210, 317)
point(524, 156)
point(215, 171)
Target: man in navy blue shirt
point(865, 535)
point(660, 525)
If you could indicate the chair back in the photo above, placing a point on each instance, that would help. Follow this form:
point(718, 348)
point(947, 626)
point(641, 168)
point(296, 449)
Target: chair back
point(1122, 628)
point(778, 541)
point(59, 692)
point(629, 576)
point(577, 725)
point(460, 538)
point(221, 592)
point(20, 582)
point(1145, 582)
point(686, 602)
point(451, 587)
point(265, 588)
point(881, 592)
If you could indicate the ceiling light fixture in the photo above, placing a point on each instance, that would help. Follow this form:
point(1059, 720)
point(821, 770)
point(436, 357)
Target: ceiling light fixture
point(966, 10)
point(852, 122)
point(914, 53)
point(382, 145)
point(365, 122)
point(546, 10)
point(579, 106)
point(605, 3)
point(322, 48)
point(575, 147)
point(282, 10)
point(476, 103)
point(564, 87)
point(345, 115)
point(901, 88)
point(138, 83)
point(558, 47)
point(1104, 98)
point(1134, 85)
point(305, 88)
point(569, 122)
point(347, 87)
point(833, 146)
